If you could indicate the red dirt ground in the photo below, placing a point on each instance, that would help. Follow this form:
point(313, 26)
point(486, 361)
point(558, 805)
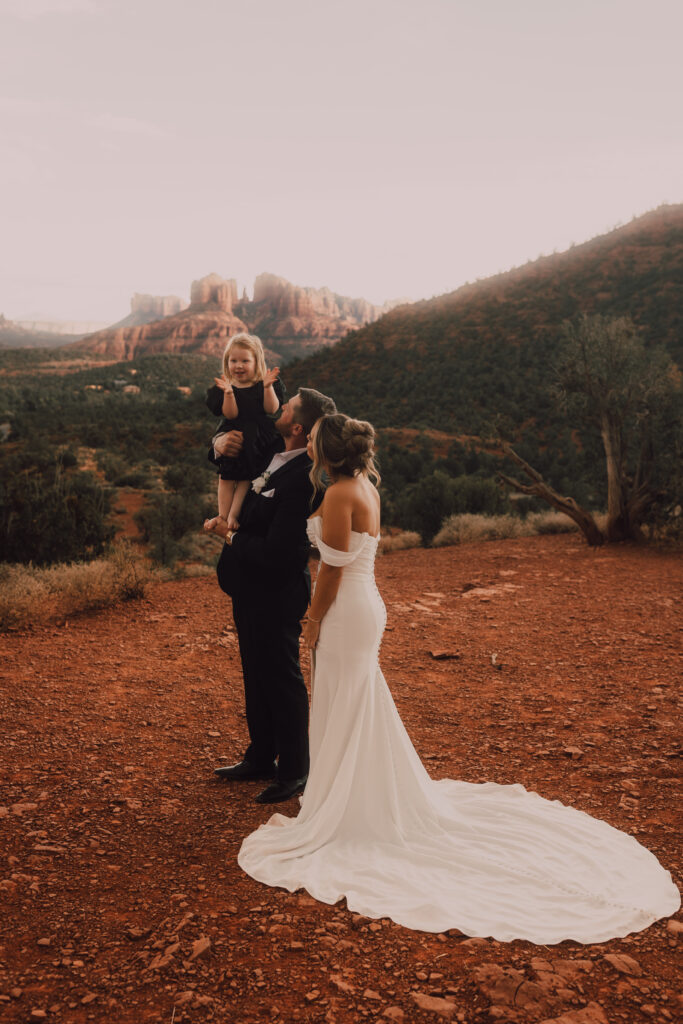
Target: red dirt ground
point(122, 900)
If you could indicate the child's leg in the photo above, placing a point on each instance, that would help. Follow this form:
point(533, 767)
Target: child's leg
point(226, 493)
point(241, 488)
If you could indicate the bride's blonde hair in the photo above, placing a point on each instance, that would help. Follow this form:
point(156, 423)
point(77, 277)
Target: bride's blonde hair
point(343, 447)
point(253, 345)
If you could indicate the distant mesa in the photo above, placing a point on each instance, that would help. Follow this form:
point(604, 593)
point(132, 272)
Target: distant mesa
point(145, 309)
point(290, 320)
point(215, 291)
point(201, 328)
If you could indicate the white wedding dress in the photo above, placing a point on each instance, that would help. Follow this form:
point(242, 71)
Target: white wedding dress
point(373, 827)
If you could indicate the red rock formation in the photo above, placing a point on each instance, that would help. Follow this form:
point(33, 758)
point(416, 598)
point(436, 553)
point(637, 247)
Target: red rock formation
point(289, 320)
point(153, 307)
point(214, 290)
point(145, 309)
point(296, 320)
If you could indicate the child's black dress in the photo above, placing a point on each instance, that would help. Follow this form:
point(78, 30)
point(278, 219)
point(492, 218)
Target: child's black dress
point(261, 439)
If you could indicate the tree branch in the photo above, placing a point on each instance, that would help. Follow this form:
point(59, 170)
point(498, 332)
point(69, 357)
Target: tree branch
point(540, 489)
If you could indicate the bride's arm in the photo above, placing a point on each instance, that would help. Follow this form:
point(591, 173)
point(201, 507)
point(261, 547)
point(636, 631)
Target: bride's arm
point(336, 529)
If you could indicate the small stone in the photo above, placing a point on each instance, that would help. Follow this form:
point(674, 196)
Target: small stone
point(200, 947)
point(184, 997)
point(394, 1013)
point(212, 732)
point(624, 964)
point(472, 944)
point(341, 985)
point(574, 752)
point(591, 1014)
point(674, 927)
point(16, 993)
point(20, 809)
point(38, 1015)
point(371, 994)
point(439, 655)
point(311, 997)
point(44, 942)
point(89, 998)
point(442, 1007)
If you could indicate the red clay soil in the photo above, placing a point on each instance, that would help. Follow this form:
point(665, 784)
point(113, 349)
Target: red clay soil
point(128, 503)
point(536, 661)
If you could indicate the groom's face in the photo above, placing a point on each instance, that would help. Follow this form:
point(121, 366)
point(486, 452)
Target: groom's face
point(285, 423)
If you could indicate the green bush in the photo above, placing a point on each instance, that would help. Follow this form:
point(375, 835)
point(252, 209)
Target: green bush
point(426, 504)
point(50, 512)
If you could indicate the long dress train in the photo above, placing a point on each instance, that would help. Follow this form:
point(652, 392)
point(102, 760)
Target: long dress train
point(489, 860)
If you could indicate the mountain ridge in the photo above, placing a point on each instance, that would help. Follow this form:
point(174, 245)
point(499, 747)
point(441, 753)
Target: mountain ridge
point(454, 361)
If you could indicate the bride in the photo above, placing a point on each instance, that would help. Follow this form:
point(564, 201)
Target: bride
point(373, 827)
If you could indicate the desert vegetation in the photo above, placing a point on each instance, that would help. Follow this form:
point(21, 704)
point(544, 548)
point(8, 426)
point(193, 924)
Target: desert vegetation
point(460, 529)
point(31, 595)
point(572, 366)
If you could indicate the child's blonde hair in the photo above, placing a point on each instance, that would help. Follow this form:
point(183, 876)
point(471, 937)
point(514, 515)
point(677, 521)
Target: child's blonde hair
point(253, 344)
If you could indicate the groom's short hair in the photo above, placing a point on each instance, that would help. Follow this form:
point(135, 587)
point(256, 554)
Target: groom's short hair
point(313, 406)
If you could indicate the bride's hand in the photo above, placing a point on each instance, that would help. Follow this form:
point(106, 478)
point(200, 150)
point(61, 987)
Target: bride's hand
point(311, 631)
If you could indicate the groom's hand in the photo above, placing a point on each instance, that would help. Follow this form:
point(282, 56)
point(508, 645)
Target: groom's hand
point(229, 444)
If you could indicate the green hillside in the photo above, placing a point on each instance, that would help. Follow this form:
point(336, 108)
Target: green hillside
point(434, 378)
point(455, 362)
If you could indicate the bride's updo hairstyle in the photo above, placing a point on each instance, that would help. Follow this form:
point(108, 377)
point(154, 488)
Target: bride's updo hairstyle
point(343, 447)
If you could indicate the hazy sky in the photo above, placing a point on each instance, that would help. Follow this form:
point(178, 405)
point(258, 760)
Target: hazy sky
point(384, 148)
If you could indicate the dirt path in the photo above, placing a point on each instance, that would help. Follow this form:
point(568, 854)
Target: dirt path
point(121, 897)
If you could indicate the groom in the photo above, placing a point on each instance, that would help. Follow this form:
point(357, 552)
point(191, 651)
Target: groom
point(264, 569)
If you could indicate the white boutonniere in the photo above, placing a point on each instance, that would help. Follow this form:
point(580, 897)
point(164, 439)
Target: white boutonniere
point(260, 482)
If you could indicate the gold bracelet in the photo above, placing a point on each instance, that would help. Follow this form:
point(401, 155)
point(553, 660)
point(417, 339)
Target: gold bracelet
point(309, 619)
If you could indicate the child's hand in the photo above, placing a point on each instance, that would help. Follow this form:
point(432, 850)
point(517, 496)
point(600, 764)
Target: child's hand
point(271, 376)
point(223, 384)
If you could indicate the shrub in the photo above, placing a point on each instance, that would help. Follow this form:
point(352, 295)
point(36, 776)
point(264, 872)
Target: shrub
point(424, 505)
point(49, 513)
point(399, 541)
point(551, 522)
point(463, 528)
point(33, 595)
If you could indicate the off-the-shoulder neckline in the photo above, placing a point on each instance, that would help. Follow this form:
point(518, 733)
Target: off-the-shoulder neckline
point(358, 533)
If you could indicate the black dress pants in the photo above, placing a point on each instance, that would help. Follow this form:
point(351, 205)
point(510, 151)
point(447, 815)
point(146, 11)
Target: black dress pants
point(274, 688)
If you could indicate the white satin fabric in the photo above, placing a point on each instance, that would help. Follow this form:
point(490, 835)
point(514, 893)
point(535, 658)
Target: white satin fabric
point(373, 827)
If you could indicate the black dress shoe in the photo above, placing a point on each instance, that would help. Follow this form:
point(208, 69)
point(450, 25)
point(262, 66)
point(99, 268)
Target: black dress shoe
point(282, 790)
point(244, 772)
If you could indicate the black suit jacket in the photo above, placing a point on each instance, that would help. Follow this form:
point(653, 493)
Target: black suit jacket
point(268, 558)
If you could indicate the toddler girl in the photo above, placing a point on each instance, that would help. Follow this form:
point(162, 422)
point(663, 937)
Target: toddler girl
point(249, 397)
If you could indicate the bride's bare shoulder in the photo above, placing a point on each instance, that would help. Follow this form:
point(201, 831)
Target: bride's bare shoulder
point(339, 492)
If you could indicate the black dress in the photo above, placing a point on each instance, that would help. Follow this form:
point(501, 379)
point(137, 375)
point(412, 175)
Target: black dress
point(261, 439)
